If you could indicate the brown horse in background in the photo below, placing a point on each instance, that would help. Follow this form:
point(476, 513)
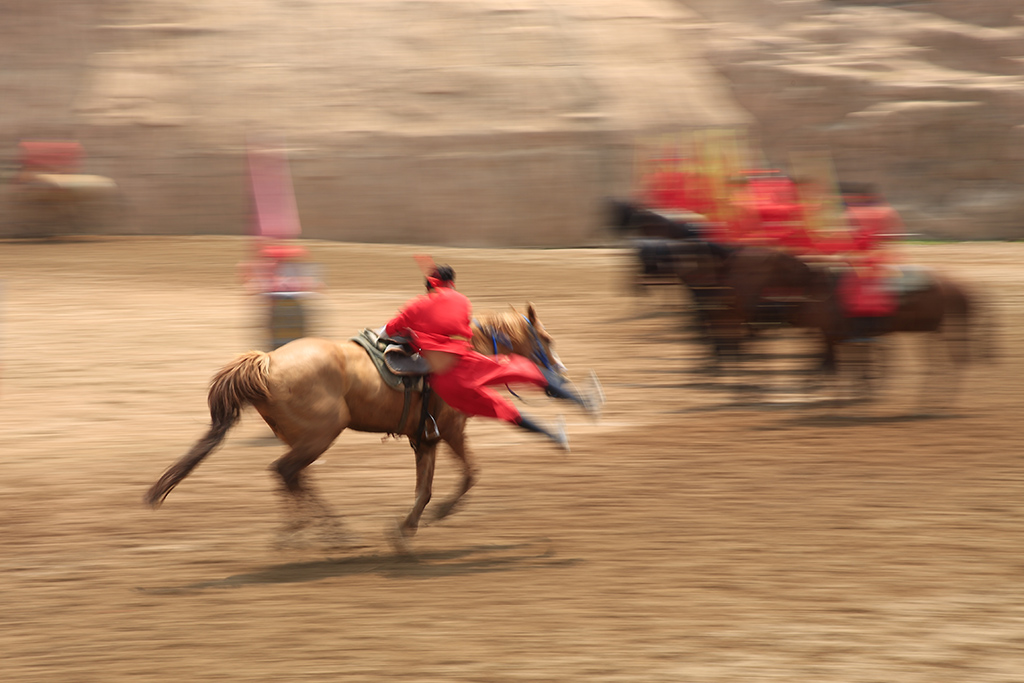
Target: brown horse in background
point(753, 288)
point(768, 287)
point(927, 301)
point(310, 390)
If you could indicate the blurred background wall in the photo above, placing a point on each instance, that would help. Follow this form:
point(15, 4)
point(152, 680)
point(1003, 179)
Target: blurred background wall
point(490, 123)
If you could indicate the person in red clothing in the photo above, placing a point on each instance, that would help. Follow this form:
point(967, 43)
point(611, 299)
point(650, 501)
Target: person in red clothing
point(665, 189)
point(867, 303)
point(739, 220)
point(438, 326)
point(871, 220)
point(781, 215)
point(866, 300)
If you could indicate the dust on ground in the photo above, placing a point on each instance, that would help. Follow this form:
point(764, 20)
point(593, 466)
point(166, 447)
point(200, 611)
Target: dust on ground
point(708, 528)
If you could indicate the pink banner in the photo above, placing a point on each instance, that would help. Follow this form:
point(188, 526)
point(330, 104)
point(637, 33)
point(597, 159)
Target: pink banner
point(275, 213)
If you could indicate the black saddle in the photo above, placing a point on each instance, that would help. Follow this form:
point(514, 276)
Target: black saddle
point(401, 359)
point(402, 369)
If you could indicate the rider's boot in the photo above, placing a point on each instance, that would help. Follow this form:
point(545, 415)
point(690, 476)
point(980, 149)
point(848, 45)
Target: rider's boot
point(558, 387)
point(557, 435)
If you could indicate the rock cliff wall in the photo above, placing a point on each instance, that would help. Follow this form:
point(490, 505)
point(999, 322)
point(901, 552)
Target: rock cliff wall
point(926, 99)
point(506, 122)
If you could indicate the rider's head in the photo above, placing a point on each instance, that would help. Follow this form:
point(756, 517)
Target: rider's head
point(858, 194)
point(440, 276)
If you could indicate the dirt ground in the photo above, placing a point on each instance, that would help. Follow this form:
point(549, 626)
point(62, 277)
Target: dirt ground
point(702, 531)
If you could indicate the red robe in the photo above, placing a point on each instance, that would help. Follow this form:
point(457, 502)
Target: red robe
point(782, 220)
point(440, 321)
point(863, 291)
point(871, 226)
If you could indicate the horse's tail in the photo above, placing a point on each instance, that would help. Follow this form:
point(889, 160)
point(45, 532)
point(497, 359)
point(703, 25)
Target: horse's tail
point(238, 384)
point(976, 320)
point(985, 330)
point(959, 322)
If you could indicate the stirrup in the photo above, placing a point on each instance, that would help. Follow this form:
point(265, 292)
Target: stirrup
point(430, 430)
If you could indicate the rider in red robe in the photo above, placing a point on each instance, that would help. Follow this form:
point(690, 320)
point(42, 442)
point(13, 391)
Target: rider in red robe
point(437, 325)
point(872, 224)
point(866, 299)
point(666, 189)
point(781, 213)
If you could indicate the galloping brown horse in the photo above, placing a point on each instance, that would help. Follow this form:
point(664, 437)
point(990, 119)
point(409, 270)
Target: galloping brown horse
point(749, 288)
point(768, 286)
point(927, 301)
point(310, 390)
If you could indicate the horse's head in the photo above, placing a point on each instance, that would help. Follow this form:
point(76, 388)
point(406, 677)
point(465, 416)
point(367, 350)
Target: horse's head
point(620, 214)
point(518, 333)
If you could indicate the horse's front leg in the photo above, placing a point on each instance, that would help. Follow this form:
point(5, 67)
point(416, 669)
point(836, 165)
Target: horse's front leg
point(828, 365)
point(824, 374)
point(426, 453)
point(456, 440)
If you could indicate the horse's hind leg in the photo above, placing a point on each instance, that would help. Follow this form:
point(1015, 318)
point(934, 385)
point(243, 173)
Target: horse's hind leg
point(946, 356)
point(301, 498)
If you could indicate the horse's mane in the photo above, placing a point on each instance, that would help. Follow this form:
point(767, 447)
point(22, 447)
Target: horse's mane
point(511, 326)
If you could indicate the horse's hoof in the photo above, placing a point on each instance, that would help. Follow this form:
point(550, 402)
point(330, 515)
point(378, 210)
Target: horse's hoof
point(442, 511)
point(343, 541)
point(397, 538)
point(290, 541)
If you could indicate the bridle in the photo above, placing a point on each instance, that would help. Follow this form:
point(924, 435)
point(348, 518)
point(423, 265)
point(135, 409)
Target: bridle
point(538, 354)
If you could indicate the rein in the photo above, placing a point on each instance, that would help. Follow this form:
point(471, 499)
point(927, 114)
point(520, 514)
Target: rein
point(538, 353)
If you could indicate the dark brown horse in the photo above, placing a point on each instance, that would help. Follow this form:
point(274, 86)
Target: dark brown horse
point(310, 390)
point(747, 289)
point(927, 301)
point(766, 287)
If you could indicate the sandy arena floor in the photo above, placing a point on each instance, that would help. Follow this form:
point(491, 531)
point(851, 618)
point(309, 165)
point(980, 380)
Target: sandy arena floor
point(701, 532)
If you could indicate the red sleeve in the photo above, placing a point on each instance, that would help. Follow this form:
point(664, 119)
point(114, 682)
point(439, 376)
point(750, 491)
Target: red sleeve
point(893, 222)
point(399, 325)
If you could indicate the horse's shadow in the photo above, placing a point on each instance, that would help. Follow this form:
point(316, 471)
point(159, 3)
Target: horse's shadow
point(55, 238)
point(852, 420)
point(478, 559)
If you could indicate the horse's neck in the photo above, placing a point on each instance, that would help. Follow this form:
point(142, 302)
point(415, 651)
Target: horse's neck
point(485, 335)
point(481, 337)
point(491, 331)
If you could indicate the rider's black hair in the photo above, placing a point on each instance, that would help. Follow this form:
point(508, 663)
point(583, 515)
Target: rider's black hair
point(443, 273)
